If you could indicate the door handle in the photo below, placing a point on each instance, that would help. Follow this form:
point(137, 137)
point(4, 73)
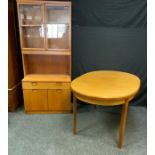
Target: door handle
point(34, 83)
point(58, 83)
point(34, 90)
point(58, 90)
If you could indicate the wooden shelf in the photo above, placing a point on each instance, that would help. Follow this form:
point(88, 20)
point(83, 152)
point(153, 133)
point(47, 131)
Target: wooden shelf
point(66, 23)
point(47, 78)
point(47, 52)
point(31, 25)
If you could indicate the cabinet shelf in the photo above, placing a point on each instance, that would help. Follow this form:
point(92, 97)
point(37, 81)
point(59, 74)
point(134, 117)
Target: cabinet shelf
point(47, 52)
point(46, 64)
point(65, 23)
point(32, 25)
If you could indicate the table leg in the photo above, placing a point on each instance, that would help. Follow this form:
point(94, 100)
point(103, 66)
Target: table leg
point(74, 113)
point(123, 123)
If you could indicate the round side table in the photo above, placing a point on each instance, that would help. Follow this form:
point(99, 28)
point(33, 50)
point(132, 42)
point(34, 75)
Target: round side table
point(107, 88)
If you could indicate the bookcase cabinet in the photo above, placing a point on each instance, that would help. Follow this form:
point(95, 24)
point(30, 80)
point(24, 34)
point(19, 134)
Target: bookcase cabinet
point(45, 38)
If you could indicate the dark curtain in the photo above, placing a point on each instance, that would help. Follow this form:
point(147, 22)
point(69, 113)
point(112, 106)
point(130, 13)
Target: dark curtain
point(111, 35)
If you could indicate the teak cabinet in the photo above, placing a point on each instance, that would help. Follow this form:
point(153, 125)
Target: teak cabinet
point(45, 37)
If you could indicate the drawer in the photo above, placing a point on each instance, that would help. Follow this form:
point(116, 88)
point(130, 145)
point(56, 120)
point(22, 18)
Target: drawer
point(46, 85)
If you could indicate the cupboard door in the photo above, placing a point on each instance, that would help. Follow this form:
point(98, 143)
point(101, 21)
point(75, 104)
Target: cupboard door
point(59, 100)
point(30, 14)
point(35, 100)
point(58, 27)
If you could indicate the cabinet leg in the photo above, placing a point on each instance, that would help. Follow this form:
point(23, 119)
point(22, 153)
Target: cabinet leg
point(74, 114)
point(123, 123)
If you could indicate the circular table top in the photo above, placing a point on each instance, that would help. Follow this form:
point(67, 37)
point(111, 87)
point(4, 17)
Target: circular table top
point(106, 84)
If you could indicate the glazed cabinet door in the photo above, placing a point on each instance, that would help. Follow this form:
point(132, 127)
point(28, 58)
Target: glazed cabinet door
point(35, 100)
point(59, 100)
point(57, 22)
point(31, 22)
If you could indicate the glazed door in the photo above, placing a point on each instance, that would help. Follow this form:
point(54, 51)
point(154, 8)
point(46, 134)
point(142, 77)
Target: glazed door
point(58, 24)
point(31, 19)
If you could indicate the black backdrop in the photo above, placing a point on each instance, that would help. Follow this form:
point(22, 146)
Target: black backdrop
point(110, 34)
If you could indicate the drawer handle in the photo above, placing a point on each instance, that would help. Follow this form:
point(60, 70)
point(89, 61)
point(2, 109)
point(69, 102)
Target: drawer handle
point(58, 90)
point(34, 83)
point(58, 83)
point(34, 90)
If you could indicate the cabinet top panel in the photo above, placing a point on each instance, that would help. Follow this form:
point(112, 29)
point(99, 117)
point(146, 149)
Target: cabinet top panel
point(47, 78)
point(45, 1)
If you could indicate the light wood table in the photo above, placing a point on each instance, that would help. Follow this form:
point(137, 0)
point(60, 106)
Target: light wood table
point(106, 88)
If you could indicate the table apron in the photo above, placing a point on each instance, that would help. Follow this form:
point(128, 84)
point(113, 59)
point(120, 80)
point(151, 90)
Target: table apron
point(104, 102)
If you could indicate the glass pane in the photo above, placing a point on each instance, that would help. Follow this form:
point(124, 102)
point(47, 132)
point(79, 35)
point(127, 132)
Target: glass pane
point(58, 27)
point(58, 36)
point(31, 14)
point(32, 37)
point(57, 14)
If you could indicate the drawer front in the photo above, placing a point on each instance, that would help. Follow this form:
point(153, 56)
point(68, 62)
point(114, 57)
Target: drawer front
point(45, 85)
